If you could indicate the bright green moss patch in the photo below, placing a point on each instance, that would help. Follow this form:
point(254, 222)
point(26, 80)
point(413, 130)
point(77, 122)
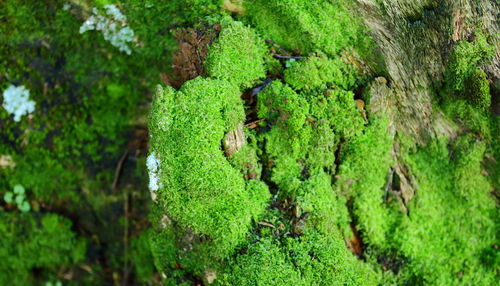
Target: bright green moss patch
point(366, 163)
point(463, 76)
point(45, 242)
point(237, 55)
point(451, 221)
point(306, 26)
point(320, 73)
point(308, 260)
point(201, 190)
point(465, 58)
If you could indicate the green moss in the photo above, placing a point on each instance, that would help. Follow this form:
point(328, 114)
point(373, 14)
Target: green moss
point(30, 241)
point(465, 58)
point(202, 191)
point(478, 89)
point(320, 73)
point(237, 55)
point(308, 260)
point(247, 159)
point(338, 108)
point(452, 219)
point(141, 256)
point(366, 161)
point(469, 116)
point(280, 106)
point(306, 26)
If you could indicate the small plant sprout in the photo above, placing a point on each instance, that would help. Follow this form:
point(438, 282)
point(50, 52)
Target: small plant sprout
point(113, 26)
point(57, 283)
point(289, 63)
point(16, 100)
point(19, 199)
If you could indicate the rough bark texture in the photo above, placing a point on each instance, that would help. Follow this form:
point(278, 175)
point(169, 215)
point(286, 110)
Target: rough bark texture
point(415, 39)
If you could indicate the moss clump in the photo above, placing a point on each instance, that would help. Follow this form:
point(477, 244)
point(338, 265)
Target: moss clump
point(469, 116)
point(247, 158)
point(477, 88)
point(452, 219)
point(237, 55)
point(311, 259)
point(463, 76)
point(366, 162)
point(306, 26)
point(30, 241)
point(464, 60)
point(201, 191)
point(320, 73)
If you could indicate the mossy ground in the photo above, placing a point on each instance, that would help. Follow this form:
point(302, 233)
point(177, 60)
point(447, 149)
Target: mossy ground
point(310, 198)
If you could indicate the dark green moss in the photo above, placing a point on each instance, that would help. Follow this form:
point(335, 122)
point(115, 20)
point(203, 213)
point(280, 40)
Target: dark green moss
point(30, 241)
point(477, 88)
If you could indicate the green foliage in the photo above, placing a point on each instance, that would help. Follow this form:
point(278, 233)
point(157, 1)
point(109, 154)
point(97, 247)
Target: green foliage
point(307, 26)
point(30, 241)
point(19, 192)
point(319, 73)
point(202, 191)
point(237, 55)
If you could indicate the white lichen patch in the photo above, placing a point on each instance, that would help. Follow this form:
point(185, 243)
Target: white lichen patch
point(113, 25)
point(16, 100)
point(153, 165)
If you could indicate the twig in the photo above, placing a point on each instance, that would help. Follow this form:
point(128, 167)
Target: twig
point(118, 170)
point(277, 46)
point(288, 57)
point(266, 224)
point(260, 88)
point(253, 124)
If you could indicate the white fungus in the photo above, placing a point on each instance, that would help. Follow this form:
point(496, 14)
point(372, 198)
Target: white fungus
point(112, 25)
point(16, 100)
point(153, 165)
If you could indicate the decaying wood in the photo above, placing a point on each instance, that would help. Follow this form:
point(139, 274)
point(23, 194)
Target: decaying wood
point(234, 141)
point(188, 60)
point(234, 6)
